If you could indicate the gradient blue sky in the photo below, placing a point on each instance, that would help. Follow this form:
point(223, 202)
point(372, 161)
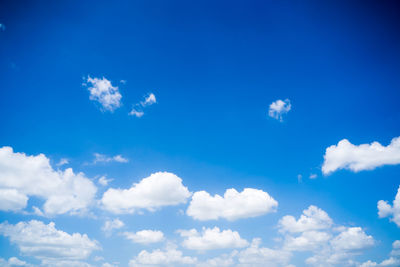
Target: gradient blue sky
point(214, 67)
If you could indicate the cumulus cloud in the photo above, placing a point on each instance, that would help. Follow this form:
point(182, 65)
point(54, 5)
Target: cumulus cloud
point(145, 236)
point(167, 257)
point(101, 158)
point(158, 190)
point(46, 243)
point(110, 225)
point(232, 206)
point(102, 91)
point(22, 176)
point(212, 239)
point(392, 211)
point(137, 109)
point(278, 108)
point(357, 158)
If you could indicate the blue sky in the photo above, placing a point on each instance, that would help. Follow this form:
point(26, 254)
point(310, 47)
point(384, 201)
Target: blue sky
point(203, 79)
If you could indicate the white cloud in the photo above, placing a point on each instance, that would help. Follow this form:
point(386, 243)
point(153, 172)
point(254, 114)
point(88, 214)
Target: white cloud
point(212, 239)
point(353, 238)
point(307, 241)
point(313, 176)
point(233, 205)
point(394, 260)
point(46, 243)
point(104, 181)
point(104, 158)
point(260, 256)
point(102, 91)
point(149, 100)
point(157, 190)
point(110, 225)
point(62, 162)
point(393, 211)
point(145, 236)
point(168, 257)
point(13, 261)
point(357, 158)
point(136, 113)
point(278, 108)
point(137, 109)
point(22, 176)
point(221, 261)
point(312, 219)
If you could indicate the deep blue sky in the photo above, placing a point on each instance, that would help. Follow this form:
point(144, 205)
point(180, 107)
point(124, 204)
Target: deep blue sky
point(215, 67)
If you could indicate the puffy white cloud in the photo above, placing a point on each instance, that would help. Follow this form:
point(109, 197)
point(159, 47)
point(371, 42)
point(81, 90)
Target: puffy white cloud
point(212, 239)
point(145, 236)
point(307, 241)
point(104, 158)
point(46, 243)
point(255, 255)
point(232, 206)
point(312, 219)
point(157, 190)
point(278, 108)
point(221, 261)
point(22, 176)
point(393, 211)
point(168, 257)
point(110, 225)
point(356, 158)
point(353, 238)
point(393, 260)
point(102, 91)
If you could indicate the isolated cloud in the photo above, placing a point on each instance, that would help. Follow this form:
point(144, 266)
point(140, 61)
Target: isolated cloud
point(137, 109)
point(101, 158)
point(212, 239)
point(158, 190)
point(312, 219)
point(46, 243)
point(168, 257)
point(232, 206)
point(104, 181)
point(278, 108)
point(145, 236)
point(149, 100)
point(357, 158)
point(136, 113)
point(392, 211)
point(102, 91)
point(22, 176)
point(110, 225)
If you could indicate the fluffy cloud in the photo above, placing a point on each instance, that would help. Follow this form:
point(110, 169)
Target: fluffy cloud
point(212, 239)
point(157, 190)
point(233, 205)
point(145, 236)
point(168, 257)
point(101, 158)
point(260, 256)
point(353, 238)
point(110, 225)
point(393, 211)
point(102, 91)
point(137, 109)
point(393, 260)
point(307, 241)
point(313, 218)
point(22, 176)
point(46, 243)
point(13, 261)
point(356, 158)
point(278, 108)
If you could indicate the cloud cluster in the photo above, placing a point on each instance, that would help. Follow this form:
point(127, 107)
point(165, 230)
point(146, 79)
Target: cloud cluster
point(102, 91)
point(137, 109)
point(46, 243)
point(357, 158)
point(232, 206)
point(158, 190)
point(22, 176)
point(393, 211)
point(278, 108)
point(212, 238)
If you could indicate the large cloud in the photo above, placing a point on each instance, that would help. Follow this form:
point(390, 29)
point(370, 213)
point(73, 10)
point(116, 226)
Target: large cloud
point(212, 239)
point(22, 176)
point(233, 205)
point(356, 158)
point(393, 211)
point(157, 190)
point(46, 243)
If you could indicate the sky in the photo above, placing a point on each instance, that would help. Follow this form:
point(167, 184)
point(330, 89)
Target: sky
point(199, 133)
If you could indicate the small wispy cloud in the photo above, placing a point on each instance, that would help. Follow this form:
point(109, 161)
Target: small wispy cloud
point(137, 109)
point(62, 162)
point(102, 91)
point(101, 158)
point(104, 181)
point(278, 108)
